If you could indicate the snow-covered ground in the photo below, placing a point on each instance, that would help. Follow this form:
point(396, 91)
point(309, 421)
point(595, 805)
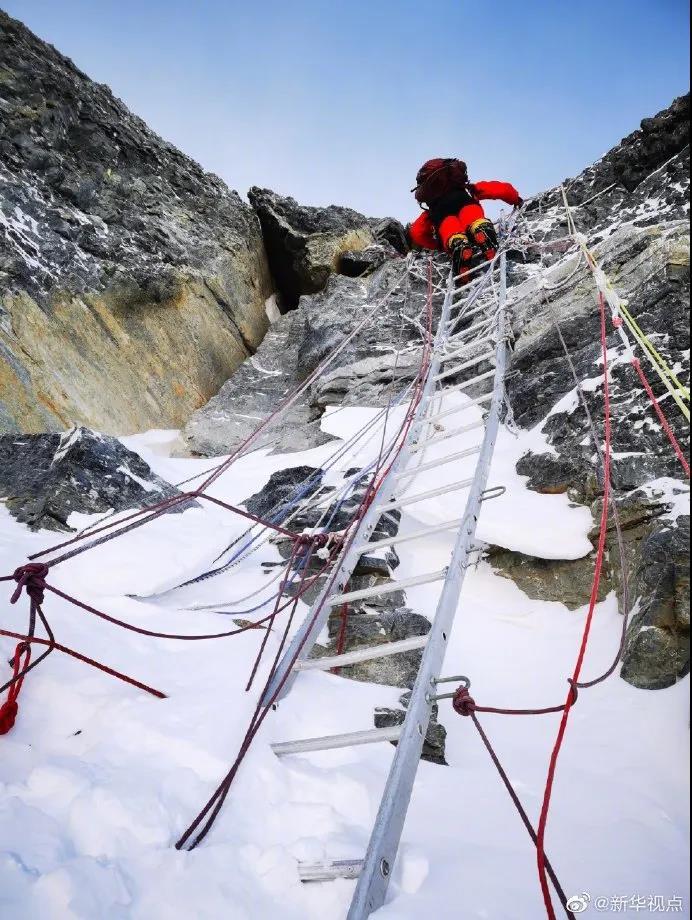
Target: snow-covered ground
point(99, 779)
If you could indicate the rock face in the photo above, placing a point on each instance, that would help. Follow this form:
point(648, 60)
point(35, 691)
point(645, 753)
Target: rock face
point(377, 621)
point(132, 283)
point(306, 245)
point(633, 205)
point(371, 369)
point(45, 477)
point(657, 651)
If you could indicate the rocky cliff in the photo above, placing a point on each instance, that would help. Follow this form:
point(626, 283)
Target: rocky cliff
point(633, 205)
point(132, 283)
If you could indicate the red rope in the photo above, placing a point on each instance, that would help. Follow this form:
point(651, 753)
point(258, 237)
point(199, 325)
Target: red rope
point(661, 416)
point(600, 555)
point(66, 650)
point(10, 708)
point(194, 637)
point(518, 805)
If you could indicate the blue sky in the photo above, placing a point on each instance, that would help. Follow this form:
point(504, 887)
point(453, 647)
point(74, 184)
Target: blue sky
point(339, 101)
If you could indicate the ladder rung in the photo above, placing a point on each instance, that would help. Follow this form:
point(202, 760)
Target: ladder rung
point(331, 742)
point(486, 397)
point(383, 650)
point(387, 588)
point(469, 329)
point(479, 359)
point(447, 356)
point(433, 463)
point(463, 333)
point(421, 496)
point(328, 870)
point(469, 383)
point(455, 320)
point(406, 538)
point(449, 434)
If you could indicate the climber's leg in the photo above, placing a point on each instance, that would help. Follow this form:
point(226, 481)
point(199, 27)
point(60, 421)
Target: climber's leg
point(462, 253)
point(457, 244)
point(448, 228)
point(481, 232)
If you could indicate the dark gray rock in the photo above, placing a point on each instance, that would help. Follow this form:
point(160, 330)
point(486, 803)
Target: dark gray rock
point(391, 232)
point(289, 485)
point(259, 384)
point(658, 641)
point(633, 205)
point(355, 264)
point(435, 736)
point(566, 581)
point(46, 477)
point(546, 473)
point(373, 369)
point(373, 565)
point(304, 244)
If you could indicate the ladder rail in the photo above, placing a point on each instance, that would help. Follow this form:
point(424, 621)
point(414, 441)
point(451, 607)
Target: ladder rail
point(384, 841)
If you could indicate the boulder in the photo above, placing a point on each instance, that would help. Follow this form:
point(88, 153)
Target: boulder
point(566, 581)
point(46, 477)
point(368, 629)
point(435, 736)
point(304, 244)
point(356, 264)
point(288, 485)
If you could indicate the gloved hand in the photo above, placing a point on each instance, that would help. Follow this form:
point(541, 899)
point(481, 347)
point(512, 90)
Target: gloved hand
point(519, 204)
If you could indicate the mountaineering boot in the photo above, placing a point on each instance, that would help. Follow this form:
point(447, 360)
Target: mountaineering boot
point(462, 252)
point(482, 232)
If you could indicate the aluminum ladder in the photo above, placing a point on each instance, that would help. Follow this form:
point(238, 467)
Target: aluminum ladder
point(374, 871)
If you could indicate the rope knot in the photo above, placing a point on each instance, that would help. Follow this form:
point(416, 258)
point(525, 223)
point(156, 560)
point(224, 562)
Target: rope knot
point(463, 703)
point(314, 540)
point(31, 578)
point(303, 540)
point(574, 687)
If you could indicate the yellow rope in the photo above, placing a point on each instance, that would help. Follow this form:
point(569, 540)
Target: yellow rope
point(654, 353)
point(668, 377)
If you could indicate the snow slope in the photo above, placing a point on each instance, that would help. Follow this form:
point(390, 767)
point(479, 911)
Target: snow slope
point(99, 779)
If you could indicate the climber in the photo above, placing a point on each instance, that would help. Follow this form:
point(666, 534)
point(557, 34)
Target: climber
point(453, 219)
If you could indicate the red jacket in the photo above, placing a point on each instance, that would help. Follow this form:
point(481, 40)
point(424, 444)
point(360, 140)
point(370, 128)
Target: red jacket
point(423, 232)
